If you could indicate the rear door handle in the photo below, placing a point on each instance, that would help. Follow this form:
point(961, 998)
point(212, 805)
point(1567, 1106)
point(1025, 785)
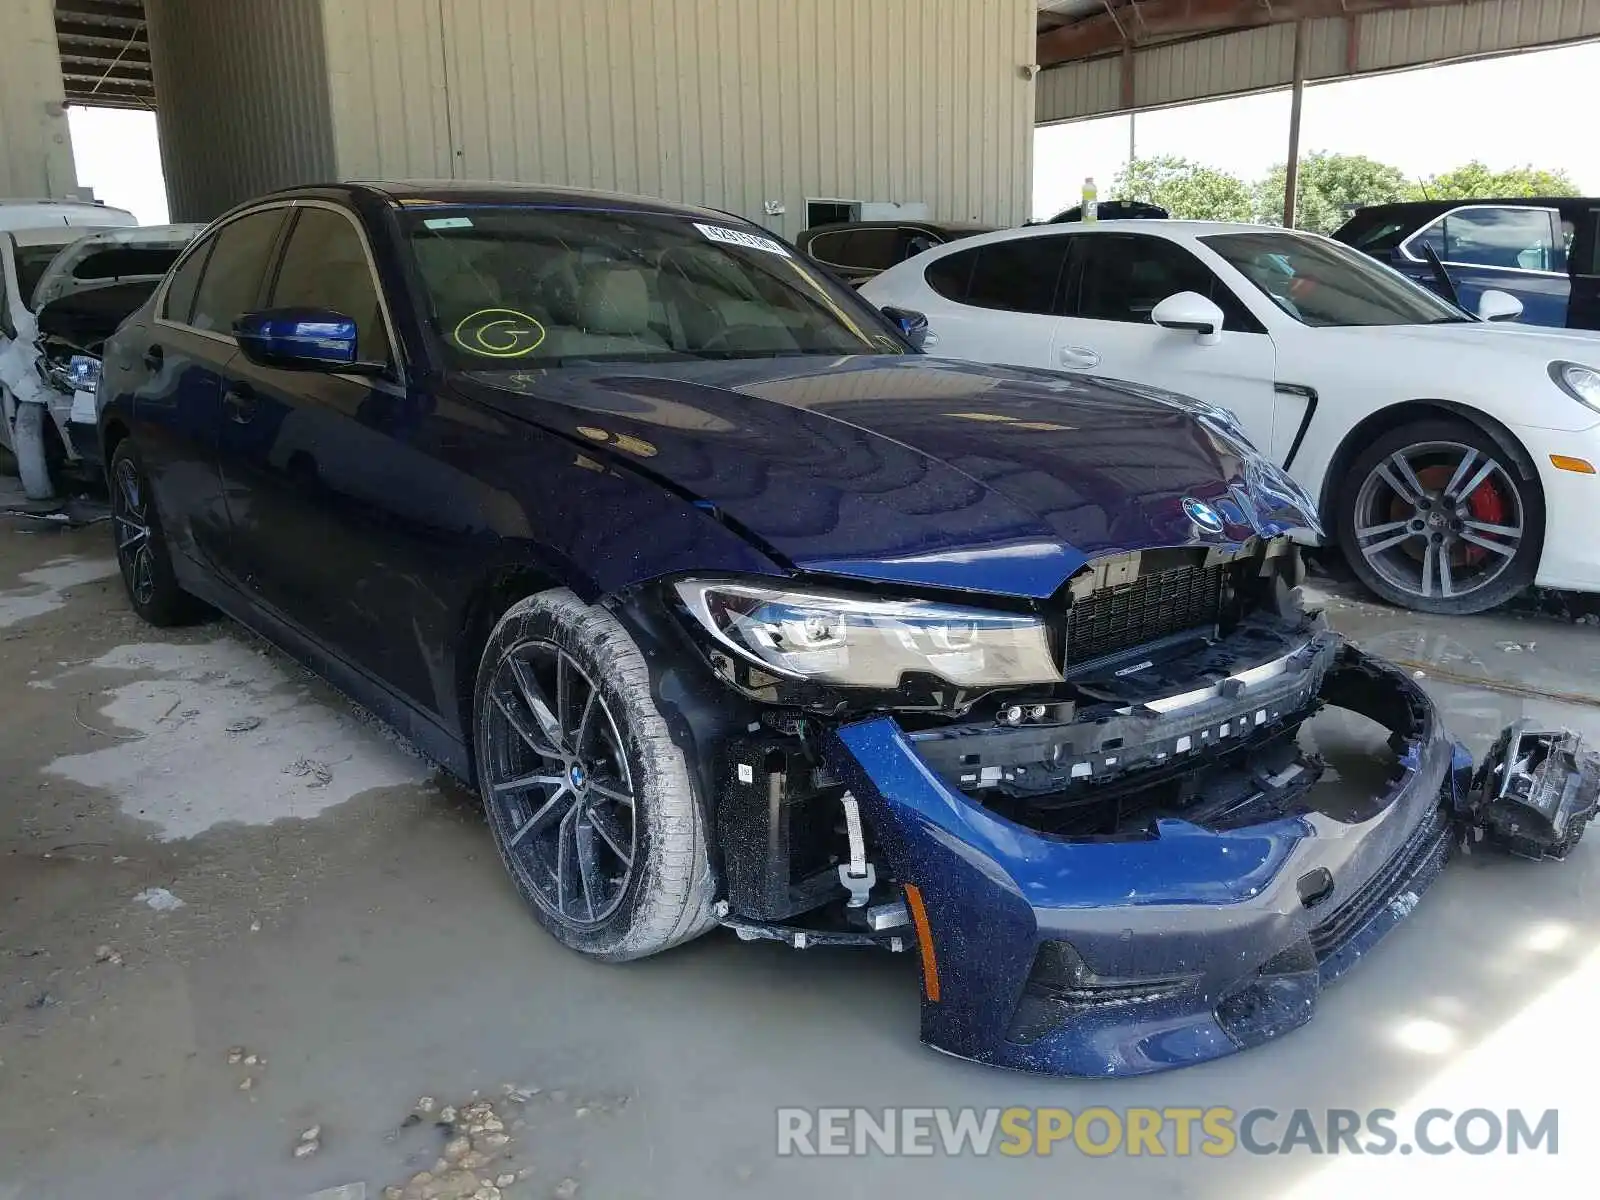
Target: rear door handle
point(153, 358)
point(1078, 358)
point(241, 403)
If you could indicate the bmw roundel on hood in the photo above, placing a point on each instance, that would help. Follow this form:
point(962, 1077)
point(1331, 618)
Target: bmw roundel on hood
point(923, 471)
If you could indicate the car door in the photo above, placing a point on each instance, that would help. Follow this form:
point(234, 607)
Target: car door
point(307, 476)
point(999, 301)
point(174, 368)
point(1510, 248)
point(1583, 266)
point(1115, 281)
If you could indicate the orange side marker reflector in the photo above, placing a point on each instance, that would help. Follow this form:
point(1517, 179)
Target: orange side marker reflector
point(1581, 466)
point(930, 964)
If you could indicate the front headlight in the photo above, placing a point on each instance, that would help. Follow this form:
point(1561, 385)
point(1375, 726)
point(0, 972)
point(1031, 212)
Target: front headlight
point(1578, 381)
point(84, 372)
point(850, 641)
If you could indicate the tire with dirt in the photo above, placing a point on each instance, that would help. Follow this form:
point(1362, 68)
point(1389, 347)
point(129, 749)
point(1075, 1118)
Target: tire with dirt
point(143, 557)
point(36, 452)
point(1435, 516)
point(591, 802)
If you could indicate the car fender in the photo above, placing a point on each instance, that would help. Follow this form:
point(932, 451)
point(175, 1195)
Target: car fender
point(1365, 384)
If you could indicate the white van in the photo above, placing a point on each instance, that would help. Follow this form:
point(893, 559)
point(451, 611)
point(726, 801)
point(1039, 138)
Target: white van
point(41, 214)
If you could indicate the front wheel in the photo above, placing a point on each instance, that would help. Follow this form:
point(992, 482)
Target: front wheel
point(590, 801)
point(1434, 516)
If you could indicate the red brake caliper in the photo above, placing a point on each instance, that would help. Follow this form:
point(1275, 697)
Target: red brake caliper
point(1486, 504)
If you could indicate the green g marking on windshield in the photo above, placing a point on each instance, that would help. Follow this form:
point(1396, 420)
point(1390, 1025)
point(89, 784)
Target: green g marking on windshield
point(498, 333)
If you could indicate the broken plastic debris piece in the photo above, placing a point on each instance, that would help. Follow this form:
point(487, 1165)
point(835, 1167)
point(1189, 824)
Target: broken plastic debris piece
point(159, 899)
point(1535, 792)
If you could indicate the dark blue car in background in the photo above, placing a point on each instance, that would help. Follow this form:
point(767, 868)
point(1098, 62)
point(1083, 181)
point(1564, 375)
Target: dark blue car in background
point(1543, 251)
point(737, 610)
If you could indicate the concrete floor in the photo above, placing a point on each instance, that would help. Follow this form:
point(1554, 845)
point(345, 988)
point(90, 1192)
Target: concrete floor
point(344, 916)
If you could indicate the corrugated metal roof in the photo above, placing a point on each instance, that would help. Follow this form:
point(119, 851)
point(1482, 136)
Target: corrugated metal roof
point(1181, 71)
point(105, 53)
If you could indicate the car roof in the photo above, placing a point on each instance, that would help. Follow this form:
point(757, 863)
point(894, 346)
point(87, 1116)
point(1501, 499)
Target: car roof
point(1434, 207)
point(423, 193)
point(1169, 229)
point(24, 213)
point(928, 222)
point(59, 235)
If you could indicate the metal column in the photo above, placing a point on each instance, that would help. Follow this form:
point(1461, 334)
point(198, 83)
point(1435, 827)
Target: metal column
point(1291, 174)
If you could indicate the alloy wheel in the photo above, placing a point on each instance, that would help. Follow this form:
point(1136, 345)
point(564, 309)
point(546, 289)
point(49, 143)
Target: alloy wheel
point(130, 512)
point(1439, 520)
point(558, 784)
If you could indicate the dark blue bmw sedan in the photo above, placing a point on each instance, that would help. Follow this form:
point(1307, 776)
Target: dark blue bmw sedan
point(736, 609)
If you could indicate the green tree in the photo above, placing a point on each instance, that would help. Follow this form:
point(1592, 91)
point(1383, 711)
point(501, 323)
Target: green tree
point(1186, 189)
point(1475, 181)
point(1329, 187)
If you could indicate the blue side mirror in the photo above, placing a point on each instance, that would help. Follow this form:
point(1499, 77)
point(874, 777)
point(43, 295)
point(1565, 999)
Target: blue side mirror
point(304, 339)
point(913, 326)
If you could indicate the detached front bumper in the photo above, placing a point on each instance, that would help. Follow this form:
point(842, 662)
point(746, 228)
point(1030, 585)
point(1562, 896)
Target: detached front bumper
point(1120, 957)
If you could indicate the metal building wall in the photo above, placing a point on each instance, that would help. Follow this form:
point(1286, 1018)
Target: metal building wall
point(35, 146)
point(1259, 59)
point(242, 99)
point(729, 103)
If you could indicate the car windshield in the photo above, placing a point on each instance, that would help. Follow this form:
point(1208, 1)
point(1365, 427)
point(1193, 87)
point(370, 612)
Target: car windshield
point(1322, 283)
point(543, 286)
point(32, 260)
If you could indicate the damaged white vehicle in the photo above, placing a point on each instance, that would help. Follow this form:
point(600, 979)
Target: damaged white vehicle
point(64, 293)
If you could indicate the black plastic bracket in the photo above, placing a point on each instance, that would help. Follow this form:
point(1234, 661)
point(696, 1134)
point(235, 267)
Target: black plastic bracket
point(1535, 792)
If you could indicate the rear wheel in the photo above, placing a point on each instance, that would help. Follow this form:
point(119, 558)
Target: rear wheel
point(142, 553)
point(590, 801)
point(1434, 516)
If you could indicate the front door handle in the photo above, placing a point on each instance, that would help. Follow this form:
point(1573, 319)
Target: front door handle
point(1078, 358)
point(241, 404)
point(153, 358)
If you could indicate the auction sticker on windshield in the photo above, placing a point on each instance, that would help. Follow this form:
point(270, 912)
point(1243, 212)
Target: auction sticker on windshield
point(737, 237)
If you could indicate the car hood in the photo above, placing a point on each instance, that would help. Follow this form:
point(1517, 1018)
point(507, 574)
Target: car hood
point(110, 258)
point(1494, 337)
point(915, 470)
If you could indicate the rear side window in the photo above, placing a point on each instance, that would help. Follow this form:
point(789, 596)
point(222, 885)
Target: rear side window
point(828, 247)
point(872, 249)
point(232, 278)
point(1021, 275)
point(179, 302)
point(869, 249)
point(325, 266)
point(950, 275)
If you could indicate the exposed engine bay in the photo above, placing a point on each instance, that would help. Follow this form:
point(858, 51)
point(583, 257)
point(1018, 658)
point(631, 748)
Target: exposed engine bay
point(1190, 678)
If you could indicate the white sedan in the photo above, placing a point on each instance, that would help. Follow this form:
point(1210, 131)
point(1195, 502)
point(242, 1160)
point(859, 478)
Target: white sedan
point(1453, 459)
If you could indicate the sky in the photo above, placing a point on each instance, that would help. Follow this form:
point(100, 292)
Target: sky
point(1525, 109)
point(118, 156)
point(1506, 112)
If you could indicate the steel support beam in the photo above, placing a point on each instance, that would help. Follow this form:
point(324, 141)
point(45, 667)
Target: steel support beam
point(1291, 169)
point(1106, 31)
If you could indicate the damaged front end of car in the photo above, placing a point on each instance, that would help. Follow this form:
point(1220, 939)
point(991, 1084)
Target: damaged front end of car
point(1127, 856)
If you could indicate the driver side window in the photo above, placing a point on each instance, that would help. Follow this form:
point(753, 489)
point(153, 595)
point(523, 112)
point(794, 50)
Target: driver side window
point(1123, 276)
point(1508, 238)
point(325, 266)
